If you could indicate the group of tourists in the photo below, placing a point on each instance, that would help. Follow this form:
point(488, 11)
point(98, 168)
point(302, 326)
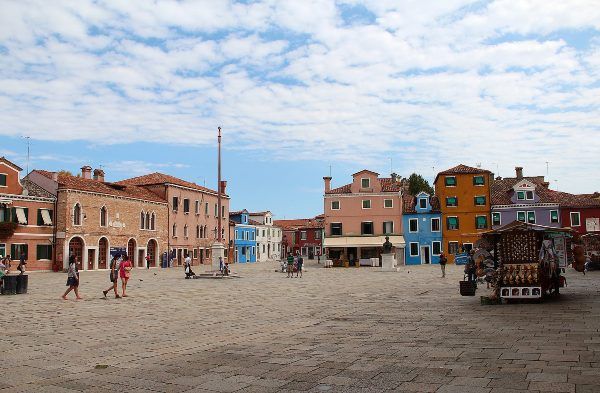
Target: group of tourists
point(295, 264)
point(6, 262)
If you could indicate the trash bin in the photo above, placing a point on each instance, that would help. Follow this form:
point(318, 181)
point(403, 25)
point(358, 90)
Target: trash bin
point(9, 285)
point(22, 281)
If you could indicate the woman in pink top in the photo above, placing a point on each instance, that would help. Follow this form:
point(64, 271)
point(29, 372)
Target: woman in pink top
point(124, 272)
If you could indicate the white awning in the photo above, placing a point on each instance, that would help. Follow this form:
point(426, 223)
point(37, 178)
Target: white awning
point(362, 241)
point(46, 217)
point(21, 216)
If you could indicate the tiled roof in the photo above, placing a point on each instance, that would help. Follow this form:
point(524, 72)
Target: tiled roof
point(120, 190)
point(386, 186)
point(571, 200)
point(35, 190)
point(237, 213)
point(410, 203)
point(298, 223)
point(253, 222)
point(501, 190)
point(461, 170)
point(161, 178)
point(10, 163)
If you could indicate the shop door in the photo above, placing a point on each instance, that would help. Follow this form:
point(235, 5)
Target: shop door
point(425, 257)
point(91, 257)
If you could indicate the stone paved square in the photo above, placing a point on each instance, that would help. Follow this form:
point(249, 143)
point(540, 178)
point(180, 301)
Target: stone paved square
point(335, 330)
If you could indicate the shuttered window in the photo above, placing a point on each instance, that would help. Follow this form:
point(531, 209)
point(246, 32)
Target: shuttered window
point(44, 251)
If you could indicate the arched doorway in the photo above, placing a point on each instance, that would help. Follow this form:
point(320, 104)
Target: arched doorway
point(76, 248)
point(151, 250)
point(102, 253)
point(131, 246)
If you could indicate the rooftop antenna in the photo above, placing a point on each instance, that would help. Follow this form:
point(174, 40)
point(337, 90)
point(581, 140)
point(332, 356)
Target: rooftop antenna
point(27, 138)
point(547, 168)
point(330, 170)
point(391, 165)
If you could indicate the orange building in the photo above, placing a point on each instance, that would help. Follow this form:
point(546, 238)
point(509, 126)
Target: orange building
point(465, 199)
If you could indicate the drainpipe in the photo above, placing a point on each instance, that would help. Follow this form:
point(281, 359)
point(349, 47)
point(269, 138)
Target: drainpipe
point(54, 263)
point(168, 229)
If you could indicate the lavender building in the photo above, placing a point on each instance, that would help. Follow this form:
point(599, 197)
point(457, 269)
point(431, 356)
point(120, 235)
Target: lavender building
point(525, 199)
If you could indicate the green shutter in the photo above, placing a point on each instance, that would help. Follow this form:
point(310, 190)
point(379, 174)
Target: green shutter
point(2, 180)
point(478, 180)
point(13, 251)
point(521, 195)
point(40, 220)
point(521, 216)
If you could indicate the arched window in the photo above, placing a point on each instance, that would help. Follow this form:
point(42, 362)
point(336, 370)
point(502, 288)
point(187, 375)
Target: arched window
point(103, 216)
point(77, 214)
point(205, 232)
point(142, 220)
point(185, 231)
point(197, 231)
point(152, 219)
point(147, 220)
point(174, 230)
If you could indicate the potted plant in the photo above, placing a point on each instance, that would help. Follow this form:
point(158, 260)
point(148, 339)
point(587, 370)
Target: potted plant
point(7, 229)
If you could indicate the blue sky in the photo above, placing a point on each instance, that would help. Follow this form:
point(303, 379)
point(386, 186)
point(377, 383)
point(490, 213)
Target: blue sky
point(298, 86)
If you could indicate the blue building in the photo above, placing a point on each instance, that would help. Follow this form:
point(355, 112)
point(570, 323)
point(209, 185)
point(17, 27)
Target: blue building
point(421, 221)
point(244, 238)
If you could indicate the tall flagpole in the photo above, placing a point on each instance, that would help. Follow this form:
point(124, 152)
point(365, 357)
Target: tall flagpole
point(219, 213)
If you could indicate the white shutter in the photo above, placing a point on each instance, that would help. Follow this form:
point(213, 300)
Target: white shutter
point(46, 217)
point(21, 216)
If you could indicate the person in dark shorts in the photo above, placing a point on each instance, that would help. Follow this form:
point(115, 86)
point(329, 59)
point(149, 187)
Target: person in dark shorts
point(114, 276)
point(290, 266)
point(299, 266)
point(72, 278)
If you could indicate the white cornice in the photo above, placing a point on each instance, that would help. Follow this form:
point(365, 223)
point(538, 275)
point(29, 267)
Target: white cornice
point(27, 198)
point(524, 206)
point(363, 194)
point(111, 196)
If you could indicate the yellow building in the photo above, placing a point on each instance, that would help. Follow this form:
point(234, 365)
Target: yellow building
point(465, 199)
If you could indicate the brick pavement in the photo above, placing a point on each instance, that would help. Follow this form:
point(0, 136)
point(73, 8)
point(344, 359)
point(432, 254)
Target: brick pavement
point(335, 330)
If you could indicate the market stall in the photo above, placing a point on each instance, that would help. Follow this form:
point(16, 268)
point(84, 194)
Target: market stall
point(528, 260)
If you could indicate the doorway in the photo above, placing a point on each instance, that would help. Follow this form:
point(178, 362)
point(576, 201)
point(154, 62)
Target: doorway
point(425, 256)
point(91, 257)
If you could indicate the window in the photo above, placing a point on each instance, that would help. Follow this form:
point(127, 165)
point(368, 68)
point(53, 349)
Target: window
point(480, 200)
point(496, 219)
point(2, 181)
point(44, 217)
point(450, 181)
point(521, 195)
point(388, 203)
point(236, 235)
point(366, 228)
point(413, 225)
point(103, 216)
point(436, 248)
point(197, 210)
point(302, 235)
point(5, 215)
point(529, 195)
point(435, 225)
point(142, 220)
point(553, 216)
point(366, 204)
point(152, 220)
point(222, 211)
point(197, 231)
point(423, 203)
point(531, 217)
point(336, 229)
point(318, 234)
point(452, 247)
point(335, 205)
point(365, 183)
point(77, 214)
point(481, 222)
point(467, 247)
point(452, 223)
point(2, 249)
point(195, 253)
point(414, 249)
point(451, 201)
point(186, 205)
point(521, 216)
point(185, 231)
point(175, 203)
point(478, 180)
point(44, 251)
point(575, 219)
point(388, 227)
point(244, 251)
point(216, 209)
point(147, 220)
point(206, 208)
point(21, 215)
point(16, 250)
point(174, 230)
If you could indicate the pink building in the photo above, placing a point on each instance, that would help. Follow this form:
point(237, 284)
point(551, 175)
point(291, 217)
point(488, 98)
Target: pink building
point(359, 215)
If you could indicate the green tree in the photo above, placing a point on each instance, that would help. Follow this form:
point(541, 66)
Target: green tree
point(417, 183)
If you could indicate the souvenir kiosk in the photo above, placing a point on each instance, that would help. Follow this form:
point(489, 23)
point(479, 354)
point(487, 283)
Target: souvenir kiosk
point(529, 260)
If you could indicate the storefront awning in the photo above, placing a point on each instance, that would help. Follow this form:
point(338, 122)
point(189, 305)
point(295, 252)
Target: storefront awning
point(362, 241)
point(46, 217)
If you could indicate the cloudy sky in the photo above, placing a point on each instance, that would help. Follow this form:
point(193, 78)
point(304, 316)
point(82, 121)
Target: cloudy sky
point(302, 86)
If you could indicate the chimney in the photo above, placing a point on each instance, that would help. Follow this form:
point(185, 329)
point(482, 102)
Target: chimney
point(545, 184)
point(327, 180)
point(499, 178)
point(395, 177)
point(86, 172)
point(55, 176)
point(519, 171)
point(223, 186)
point(99, 175)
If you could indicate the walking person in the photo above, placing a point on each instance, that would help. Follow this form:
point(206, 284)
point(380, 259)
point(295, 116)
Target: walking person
point(72, 278)
point(299, 265)
point(290, 266)
point(124, 273)
point(443, 261)
point(114, 278)
point(147, 261)
point(22, 263)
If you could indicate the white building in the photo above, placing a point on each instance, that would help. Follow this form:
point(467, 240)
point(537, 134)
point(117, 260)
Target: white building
point(268, 237)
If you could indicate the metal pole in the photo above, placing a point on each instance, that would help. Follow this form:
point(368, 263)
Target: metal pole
point(219, 236)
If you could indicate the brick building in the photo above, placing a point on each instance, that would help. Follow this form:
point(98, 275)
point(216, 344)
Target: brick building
point(192, 215)
point(96, 219)
point(304, 236)
point(26, 219)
